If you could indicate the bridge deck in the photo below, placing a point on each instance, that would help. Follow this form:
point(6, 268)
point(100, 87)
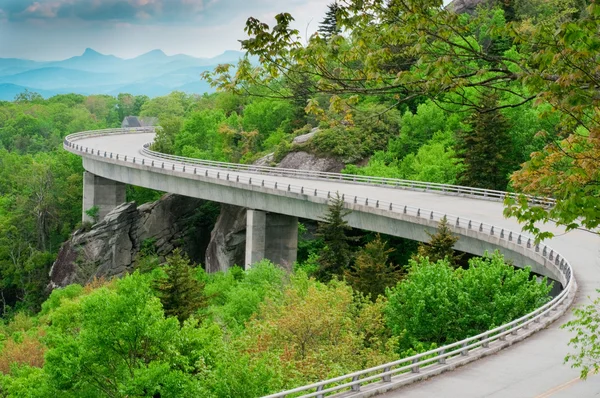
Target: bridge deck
point(532, 368)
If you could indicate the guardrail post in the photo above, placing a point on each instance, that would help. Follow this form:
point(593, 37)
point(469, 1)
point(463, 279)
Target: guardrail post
point(173, 167)
point(458, 221)
point(415, 368)
point(431, 216)
point(302, 190)
point(537, 248)
point(205, 173)
point(485, 344)
point(328, 194)
point(390, 206)
point(320, 388)
point(386, 378)
point(551, 256)
point(442, 360)
point(492, 230)
point(227, 178)
point(367, 202)
point(343, 197)
point(184, 168)
point(419, 213)
point(503, 337)
point(134, 159)
point(502, 233)
point(377, 204)
point(195, 170)
point(480, 227)
point(262, 184)
point(275, 185)
point(143, 162)
point(470, 224)
point(315, 192)
point(237, 178)
point(465, 351)
point(218, 174)
point(355, 199)
point(510, 236)
point(153, 163)
point(405, 209)
point(545, 252)
point(289, 187)
point(355, 387)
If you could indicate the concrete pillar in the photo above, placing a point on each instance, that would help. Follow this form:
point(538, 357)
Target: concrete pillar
point(271, 236)
point(256, 224)
point(104, 193)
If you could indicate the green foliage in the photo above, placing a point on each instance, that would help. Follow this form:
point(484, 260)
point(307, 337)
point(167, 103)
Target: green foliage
point(118, 343)
point(438, 304)
point(180, 293)
point(485, 148)
point(94, 213)
point(372, 274)
point(585, 327)
point(329, 27)
point(336, 255)
point(441, 245)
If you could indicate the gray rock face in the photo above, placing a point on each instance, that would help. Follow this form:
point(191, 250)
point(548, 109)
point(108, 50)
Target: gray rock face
point(307, 161)
point(301, 139)
point(466, 6)
point(109, 249)
point(227, 245)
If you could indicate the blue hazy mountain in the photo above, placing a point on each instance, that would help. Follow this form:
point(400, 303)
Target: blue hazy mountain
point(154, 73)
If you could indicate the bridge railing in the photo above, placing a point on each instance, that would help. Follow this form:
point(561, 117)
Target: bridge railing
point(405, 368)
point(446, 189)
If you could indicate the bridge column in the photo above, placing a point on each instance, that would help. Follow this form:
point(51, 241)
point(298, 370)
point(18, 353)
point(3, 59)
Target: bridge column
point(102, 192)
point(271, 236)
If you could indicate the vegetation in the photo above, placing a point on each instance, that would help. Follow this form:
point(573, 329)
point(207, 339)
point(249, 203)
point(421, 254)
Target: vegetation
point(252, 332)
point(440, 245)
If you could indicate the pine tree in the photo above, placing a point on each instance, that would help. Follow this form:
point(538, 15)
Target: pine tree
point(372, 273)
point(441, 245)
point(180, 293)
point(486, 148)
point(336, 255)
point(329, 26)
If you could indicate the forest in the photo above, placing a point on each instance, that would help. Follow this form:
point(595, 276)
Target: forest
point(500, 98)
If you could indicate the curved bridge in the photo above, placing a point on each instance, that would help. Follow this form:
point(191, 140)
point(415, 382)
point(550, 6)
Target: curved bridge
point(395, 207)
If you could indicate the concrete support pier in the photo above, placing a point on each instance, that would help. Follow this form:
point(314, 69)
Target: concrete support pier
point(271, 236)
point(104, 193)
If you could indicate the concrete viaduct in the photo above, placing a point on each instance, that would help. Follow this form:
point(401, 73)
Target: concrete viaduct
point(278, 197)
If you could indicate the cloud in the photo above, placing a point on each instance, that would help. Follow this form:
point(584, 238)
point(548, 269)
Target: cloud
point(205, 12)
point(128, 11)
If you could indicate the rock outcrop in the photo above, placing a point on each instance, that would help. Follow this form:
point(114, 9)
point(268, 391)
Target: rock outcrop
point(228, 239)
point(109, 249)
point(467, 6)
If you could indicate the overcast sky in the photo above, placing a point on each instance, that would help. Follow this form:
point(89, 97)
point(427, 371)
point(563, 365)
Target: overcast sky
point(59, 29)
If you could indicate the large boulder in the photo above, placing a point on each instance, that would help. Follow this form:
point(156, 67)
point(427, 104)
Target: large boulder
point(467, 6)
point(307, 161)
point(109, 249)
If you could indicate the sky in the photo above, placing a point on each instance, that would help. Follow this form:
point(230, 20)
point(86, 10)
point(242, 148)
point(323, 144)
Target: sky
point(59, 29)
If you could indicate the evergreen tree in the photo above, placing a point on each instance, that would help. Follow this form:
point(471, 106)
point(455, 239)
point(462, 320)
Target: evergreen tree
point(180, 293)
point(486, 147)
point(336, 255)
point(372, 273)
point(329, 26)
point(440, 246)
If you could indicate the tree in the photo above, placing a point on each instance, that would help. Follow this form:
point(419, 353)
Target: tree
point(447, 60)
point(436, 304)
point(441, 245)
point(372, 273)
point(336, 255)
point(485, 148)
point(329, 26)
point(116, 342)
point(586, 327)
point(180, 293)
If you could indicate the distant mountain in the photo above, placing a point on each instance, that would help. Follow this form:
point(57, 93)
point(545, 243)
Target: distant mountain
point(154, 73)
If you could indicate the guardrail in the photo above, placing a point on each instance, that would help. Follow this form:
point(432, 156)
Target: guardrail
point(402, 369)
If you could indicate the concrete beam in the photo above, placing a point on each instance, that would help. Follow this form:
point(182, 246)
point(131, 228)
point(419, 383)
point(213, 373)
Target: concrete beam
point(101, 192)
point(271, 236)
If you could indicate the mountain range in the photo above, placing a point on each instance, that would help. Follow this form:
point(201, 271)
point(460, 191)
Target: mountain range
point(153, 74)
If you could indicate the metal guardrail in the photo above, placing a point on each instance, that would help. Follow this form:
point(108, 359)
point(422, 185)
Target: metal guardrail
point(405, 367)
